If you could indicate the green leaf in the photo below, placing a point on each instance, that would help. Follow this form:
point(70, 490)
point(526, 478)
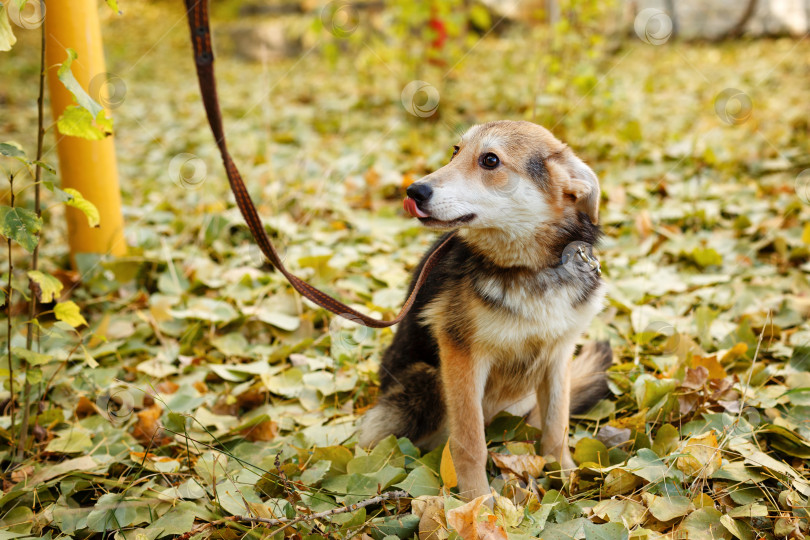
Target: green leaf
point(79, 464)
point(739, 528)
point(420, 481)
point(649, 390)
point(591, 451)
point(386, 452)
point(210, 467)
point(48, 287)
point(10, 150)
point(45, 166)
point(786, 441)
point(17, 522)
point(669, 507)
point(800, 359)
point(338, 456)
point(207, 309)
point(33, 358)
point(315, 473)
point(233, 500)
point(21, 225)
point(112, 512)
point(399, 526)
point(13, 150)
point(7, 38)
point(70, 441)
point(626, 511)
point(233, 344)
point(606, 531)
point(79, 94)
point(666, 440)
point(176, 521)
point(78, 122)
point(76, 200)
point(649, 466)
point(69, 312)
point(704, 524)
point(603, 409)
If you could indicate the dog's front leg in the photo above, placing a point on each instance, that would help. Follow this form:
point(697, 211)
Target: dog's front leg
point(553, 402)
point(463, 380)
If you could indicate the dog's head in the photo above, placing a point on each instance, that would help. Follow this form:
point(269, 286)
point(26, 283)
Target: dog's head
point(514, 177)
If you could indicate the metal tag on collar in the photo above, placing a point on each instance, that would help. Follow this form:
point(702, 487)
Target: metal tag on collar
point(593, 262)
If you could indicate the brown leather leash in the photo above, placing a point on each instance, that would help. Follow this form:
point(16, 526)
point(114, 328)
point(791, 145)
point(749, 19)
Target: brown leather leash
point(197, 11)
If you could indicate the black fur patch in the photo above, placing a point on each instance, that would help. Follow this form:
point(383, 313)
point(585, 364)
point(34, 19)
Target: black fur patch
point(536, 167)
point(417, 397)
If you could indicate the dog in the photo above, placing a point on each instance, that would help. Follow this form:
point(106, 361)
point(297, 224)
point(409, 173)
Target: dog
point(495, 326)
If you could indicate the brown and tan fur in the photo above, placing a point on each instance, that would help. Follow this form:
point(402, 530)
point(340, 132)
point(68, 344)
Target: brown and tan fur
point(496, 326)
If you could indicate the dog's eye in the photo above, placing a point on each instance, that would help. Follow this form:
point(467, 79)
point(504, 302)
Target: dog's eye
point(489, 161)
point(455, 151)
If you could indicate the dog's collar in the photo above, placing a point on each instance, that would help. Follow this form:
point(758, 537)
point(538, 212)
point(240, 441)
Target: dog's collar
point(577, 253)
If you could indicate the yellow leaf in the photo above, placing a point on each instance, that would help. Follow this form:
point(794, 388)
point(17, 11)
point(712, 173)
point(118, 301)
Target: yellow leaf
point(88, 358)
point(510, 514)
point(734, 353)
point(703, 500)
point(7, 38)
point(465, 520)
point(522, 465)
point(806, 233)
point(86, 207)
point(703, 457)
point(711, 364)
point(49, 286)
point(78, 122)
point(447, 469)
point(69, 313)
point(100, 335)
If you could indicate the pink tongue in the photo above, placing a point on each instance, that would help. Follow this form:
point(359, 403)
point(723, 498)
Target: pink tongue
point(410, 207)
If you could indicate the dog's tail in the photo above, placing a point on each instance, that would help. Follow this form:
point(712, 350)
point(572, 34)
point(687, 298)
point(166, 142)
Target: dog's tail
point(588, 379)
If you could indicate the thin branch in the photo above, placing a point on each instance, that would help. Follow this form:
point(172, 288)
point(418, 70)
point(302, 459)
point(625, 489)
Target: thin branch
point(286, 522)
point(9, 326)
point(32, 306)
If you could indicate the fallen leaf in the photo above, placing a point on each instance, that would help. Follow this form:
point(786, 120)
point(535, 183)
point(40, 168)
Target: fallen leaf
point(467, 521)
point(703, 456)
point(263, 431)
point(447, 470)
point(148, 429)
point(713, 368)
point(669, 507)
point(524, 465)
point(432, 521)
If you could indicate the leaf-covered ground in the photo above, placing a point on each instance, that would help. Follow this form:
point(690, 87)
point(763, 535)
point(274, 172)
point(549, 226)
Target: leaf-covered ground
point(209, 389)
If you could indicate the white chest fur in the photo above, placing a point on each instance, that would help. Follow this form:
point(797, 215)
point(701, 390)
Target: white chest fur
point(519, 314)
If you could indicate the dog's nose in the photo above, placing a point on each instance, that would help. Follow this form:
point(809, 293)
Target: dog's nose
point(419, 192)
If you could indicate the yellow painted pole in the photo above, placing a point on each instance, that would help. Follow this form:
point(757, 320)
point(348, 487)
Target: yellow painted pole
point(87, 166)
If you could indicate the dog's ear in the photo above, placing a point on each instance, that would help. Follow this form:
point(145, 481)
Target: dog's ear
point(582, 185)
